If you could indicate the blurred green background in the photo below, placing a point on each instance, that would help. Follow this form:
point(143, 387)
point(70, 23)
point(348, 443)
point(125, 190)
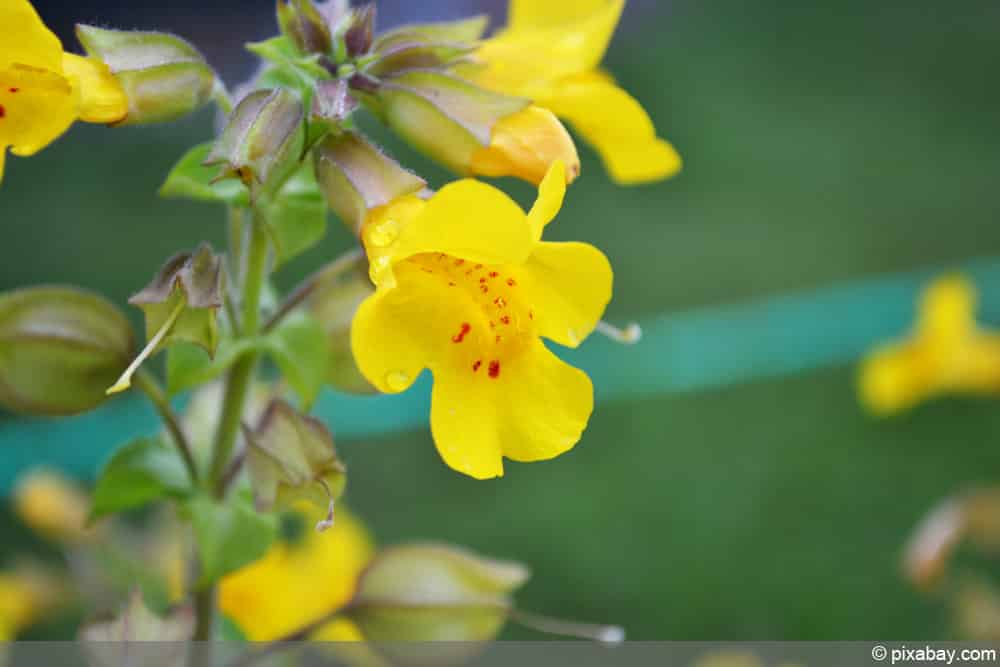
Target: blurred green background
point(824, 142)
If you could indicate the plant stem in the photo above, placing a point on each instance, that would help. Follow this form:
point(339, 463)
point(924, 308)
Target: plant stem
point(241, 375)
point(148, 384)
point(204, 607)
point(330, 272)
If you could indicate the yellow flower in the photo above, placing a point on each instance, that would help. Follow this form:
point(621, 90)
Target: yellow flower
point(466, 288)
point(298, 581)
point(551, 52)
point(947, 353)
point(43, 90)
point(26, 594)
point(49, 504)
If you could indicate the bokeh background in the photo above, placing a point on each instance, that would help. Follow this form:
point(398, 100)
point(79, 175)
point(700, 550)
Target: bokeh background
point(826, 144)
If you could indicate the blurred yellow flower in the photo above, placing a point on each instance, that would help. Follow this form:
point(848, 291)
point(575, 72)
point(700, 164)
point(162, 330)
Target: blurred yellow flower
point(44, 90)
point(26, 593)
point(551, 52)
point(466, 287)
point(52, 506)
point(524, 145)
point(299, 580)
point(947, 353)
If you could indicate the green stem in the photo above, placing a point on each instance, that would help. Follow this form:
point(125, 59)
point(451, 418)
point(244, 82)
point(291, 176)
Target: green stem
point(204, 607)
point(241, 375)
point(148, 384)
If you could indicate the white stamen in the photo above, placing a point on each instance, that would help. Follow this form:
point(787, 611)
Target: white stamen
point(630, 335)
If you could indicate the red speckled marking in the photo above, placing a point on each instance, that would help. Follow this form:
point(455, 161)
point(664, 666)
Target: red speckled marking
point(484, 288)
point(3, 112)
point(531, 314)
point(499, 302)
point(14, 90)
point(494, 370)
point(505, 319)
point(482, 280)
point(493, 274)
point(511, 282)
point(459, 262)
point(460, 336)
point(477, 365)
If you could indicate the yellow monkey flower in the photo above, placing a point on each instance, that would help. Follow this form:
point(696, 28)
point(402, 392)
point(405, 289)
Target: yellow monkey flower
point(947, 353)
point(301, 579)
point(550, 52)
point(466, 287)
point(44, 90)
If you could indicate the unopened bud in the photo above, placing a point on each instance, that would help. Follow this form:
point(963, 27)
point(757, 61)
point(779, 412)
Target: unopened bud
point(302, 22)
point(361, 30)
point(430, 592)
point(474, 131)
point(163, 76)
point(263, 140)
point(356, 177)
point(291, 457)
point(60, 347)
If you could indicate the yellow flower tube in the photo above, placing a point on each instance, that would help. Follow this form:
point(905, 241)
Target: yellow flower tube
point(466, 287)
point(551, 52)
point(44, 90)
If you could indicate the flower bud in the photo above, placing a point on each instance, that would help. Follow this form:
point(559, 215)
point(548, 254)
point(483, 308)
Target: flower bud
point(263, 140)
point(291, 457)
point(361, 31)
point(332, 102)
point(303, 23)
point(180, 304)
point(357, 177)
point(52, 506)
point(335, 293)
point(473, 131)
point(60, 347)
point(429, 592)
point(164, 77)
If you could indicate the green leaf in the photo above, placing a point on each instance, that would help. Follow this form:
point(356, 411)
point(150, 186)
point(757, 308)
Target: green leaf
point(297, 217)
point(229, 535)
point(298, 347)
point(282, 51)
point(189, 179)
point(189, 365)
point(142, 472)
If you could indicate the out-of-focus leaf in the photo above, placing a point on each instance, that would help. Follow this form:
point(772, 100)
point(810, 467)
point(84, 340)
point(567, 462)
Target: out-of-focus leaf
point(142, 472)
point(190, 179)
point(229, 534)
point(298, 347)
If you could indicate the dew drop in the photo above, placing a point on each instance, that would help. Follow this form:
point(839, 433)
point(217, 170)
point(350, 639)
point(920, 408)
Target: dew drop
point(378, 265)
point(397, 380)
point(383, 233)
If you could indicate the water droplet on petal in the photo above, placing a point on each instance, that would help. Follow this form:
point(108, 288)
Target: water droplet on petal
point(382, 234)
point(378, 266)
point(397, 380)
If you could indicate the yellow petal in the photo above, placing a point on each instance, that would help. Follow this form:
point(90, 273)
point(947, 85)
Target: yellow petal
point(547, 41)
point(551, 193)
point(534, 408)
point(525, 144)
point(102, 99)
point(36, 106)
point(25, 40)
point(617, 126)
point(569, 286)
point(947, 309)
point(293, 585)
point(466, 218)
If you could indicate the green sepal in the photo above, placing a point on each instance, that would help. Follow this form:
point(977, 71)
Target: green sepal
point(291, 457)
point(191, 179)
point(60, 348)
point(142, 472)
point(462, 31)
point(229, 535)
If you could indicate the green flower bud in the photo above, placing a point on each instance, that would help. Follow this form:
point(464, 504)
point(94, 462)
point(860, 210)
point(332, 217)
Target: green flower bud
point(60, 347)
point(332, 102)
point(164, 77)
point(463, 31)
point(263, 140)
point(302, 22)
point(335, 293)
point(180, 304)
point(357, 177)
point(430, 592)
point(291, 457)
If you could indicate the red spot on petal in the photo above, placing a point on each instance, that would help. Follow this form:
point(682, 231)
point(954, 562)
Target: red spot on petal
point(459, 262)
point(499, 302)
point(505, 319)
point(478, 266)
point(494, 370)
point(531, 314)
point(460, 336)
point(484, 288)
point(477, 365)
point(493, 274)
point(493, 325)
point(499, 338)
point(15, 90)
point(512, 282)
point(451, 284)
point(3, 112)
point(482, 280)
